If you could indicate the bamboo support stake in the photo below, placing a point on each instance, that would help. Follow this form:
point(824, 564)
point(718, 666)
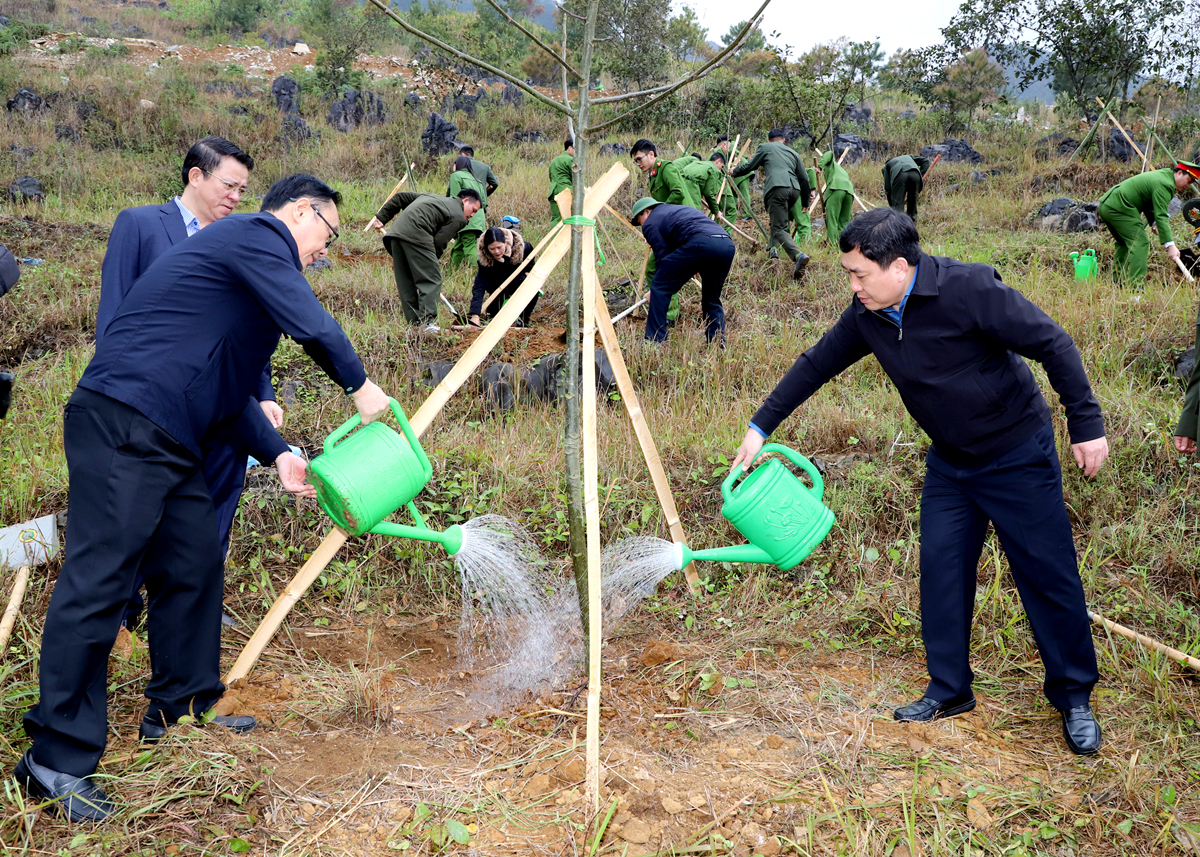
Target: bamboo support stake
point(14, 607)
point(592, 297)
point(1186, 272)
point(645, 262)
point(304, 578)
point(1150, 143)
point(1148, 642)
point(750, 238)
point(662, 487)
point(624, 220)
point(750, 210)
point(735, 157)
point(524, 262)
point(396, 189)
point(732, 151)
point(478, 351)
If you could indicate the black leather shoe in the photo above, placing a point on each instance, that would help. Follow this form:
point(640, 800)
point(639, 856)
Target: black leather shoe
point(773, 253)
point(1081, 730)
point(152, 730)
point(801, 264)
point(78, 798)
point(926, 709)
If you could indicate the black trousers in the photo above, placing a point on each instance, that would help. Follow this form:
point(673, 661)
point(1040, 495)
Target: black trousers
point(1020, 492)
point(779, 202)
point(904, 190)
point(137, 498)
point(710, 256)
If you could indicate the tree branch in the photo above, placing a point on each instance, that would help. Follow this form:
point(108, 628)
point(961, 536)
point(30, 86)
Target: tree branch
point(438, 43)
point(529, 35)
point(663, 91)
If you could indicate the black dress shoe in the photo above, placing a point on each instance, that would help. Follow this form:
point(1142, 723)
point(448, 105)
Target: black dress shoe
point(801, 264)
point(153, 730)
point(78, 798)
point(773, 253)
point(1081, 730)
point(926, 709)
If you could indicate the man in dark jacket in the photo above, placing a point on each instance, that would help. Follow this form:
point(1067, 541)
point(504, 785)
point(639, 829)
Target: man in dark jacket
point(176, 369)
point(951, 336)
point(786, 182)
point(903, 178)
point(215, 173)
point(416, 239)
point(685, 243)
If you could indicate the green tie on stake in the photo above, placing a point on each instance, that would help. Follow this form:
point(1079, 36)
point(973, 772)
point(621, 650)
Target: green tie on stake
point(587, 221)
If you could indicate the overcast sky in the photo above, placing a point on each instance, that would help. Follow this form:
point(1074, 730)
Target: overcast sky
point(803, 25)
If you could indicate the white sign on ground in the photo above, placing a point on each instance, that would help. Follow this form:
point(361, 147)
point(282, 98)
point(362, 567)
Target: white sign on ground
point(30, 543)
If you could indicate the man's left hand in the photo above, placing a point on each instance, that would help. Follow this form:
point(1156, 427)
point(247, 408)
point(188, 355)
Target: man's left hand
point(1090, 455)
point(273, 411)
point(293, 475)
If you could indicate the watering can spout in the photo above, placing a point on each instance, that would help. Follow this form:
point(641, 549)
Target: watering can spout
point(451, 539)
point(732, 553)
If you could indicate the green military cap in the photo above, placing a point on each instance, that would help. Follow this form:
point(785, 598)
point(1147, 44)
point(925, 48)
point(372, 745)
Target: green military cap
point(641, 205)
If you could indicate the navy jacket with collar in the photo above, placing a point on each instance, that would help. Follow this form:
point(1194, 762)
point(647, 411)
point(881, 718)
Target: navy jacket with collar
point(190, 340)
point(956, 361)
point(139, 236)
point(668, 227)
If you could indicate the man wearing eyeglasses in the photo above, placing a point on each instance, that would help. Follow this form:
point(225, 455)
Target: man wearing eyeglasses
point(174, 375)
point(215, 174)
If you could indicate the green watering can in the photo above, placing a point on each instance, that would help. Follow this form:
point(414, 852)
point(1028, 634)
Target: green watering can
point(363, 478)
point(1085, 264)
point(783, 519)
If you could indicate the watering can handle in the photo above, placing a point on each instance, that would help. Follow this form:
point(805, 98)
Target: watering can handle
point(346, 427)
point(1089, 252)
point(818, 489)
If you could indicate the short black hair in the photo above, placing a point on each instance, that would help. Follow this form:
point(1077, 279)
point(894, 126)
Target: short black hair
point(462, 162)
point(776, 134)
point(206, 153)
point(568, 143)
point(469, 151)
point(295, 186)
point(724, 138)
point(883, 235)
point(696, 155)
point(642, 146)
point(717, 156)
point(469, 193)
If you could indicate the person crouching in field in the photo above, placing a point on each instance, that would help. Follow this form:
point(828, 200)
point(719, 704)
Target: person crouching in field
point(950, 336)
point(501, 252)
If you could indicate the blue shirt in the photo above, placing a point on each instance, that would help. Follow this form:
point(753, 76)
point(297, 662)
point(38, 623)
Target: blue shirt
point(190, 221)
point(894, 313)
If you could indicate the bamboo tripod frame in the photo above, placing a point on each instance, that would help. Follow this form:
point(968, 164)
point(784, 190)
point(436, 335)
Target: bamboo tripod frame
point(595, 319)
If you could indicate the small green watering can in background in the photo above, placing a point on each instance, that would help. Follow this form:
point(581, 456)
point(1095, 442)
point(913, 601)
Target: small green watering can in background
point(1085, 264)
point(363, 478)
point(783, 518)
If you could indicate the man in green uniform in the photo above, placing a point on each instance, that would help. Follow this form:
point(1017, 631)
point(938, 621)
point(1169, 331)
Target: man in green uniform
point(839, 197)
point(665, 184)
point(464, 249)
point(561, 176)
point(1148, 194)
point(743, 183)
point(903, 178)
point(800, 216)
point(483, 174)
point(415, 240)
point(704, 178)
point(786, 182)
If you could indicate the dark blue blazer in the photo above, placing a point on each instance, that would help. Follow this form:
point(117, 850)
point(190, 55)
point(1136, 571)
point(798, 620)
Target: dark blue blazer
point(139, 236)
point(190, 340)
point(668, 227)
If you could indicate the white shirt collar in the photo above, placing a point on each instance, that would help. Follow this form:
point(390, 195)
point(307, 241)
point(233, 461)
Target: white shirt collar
point(190, 221)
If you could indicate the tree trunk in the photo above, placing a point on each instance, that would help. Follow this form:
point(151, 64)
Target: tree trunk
point(573, 441)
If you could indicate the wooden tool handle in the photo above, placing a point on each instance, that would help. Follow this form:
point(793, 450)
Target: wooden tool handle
point(14, 607)
point(1149, 642)
point(1186, 272)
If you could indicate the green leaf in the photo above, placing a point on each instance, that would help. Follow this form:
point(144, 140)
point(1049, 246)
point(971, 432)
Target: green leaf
point(238, 846)
point(458, 831)
point(1125, 826)
point(731, 682)
point(872, 554)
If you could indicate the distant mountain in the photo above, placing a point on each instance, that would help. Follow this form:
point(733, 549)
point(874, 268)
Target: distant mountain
point(545, 17)
point(1039, 90)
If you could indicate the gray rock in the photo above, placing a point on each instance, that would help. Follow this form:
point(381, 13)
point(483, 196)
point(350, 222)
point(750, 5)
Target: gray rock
point(953, 151)
point(512, 94)
point(793, 131)
point(440, 136)
point(26, 102)
point(613, 150)
point(860, 148)
point(321, 264)
point(226, 87)
point(412, 100)
point(26, 189)
point(1119, 147)
point(66, 134)
point(286, 93)
point(1057, 207)
point(908, 114)
point(356, 108)
point(3, 20)
point(296, 130)
point(1082, 219)
point(499, 381)
point(1055, 144)
point(529, 137)
point(1184, 364)
point(21, 151)
point(463, 102)
point(856, 113)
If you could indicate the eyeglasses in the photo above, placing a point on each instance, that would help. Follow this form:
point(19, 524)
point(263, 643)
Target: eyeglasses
point(332, 237)
point(641, 156)
point(230, 187)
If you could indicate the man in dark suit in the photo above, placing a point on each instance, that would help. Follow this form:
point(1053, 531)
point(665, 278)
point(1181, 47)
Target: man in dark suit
point(215, 173)
point(174, 373)
point(951, 336)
